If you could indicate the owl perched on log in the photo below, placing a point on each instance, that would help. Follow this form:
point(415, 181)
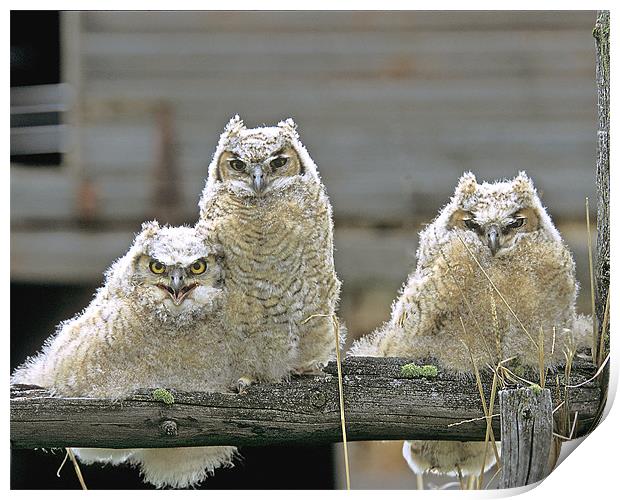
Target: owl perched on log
point(493, 281)
point(266, 206)
point(155, 323)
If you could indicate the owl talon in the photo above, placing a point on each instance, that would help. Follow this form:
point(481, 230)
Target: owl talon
point(242, 384)
point(307, 370)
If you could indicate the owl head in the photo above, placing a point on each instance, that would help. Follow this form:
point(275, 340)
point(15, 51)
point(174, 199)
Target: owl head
point(171, 271)
point(498, 214)
point(258, 162)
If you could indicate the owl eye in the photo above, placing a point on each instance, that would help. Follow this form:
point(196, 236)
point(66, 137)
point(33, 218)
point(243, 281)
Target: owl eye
point(156, 267)
point(471, 224)
point(237, 165)
point(518, 222)
point(279, 162)
point(198, 267)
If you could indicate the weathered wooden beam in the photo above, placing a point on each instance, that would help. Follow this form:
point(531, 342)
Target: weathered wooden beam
point(527, 434)
point(380, 403)
point(601, 37)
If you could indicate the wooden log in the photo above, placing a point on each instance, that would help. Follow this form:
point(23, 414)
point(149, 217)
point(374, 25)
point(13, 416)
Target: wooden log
point(527, 434)
point(380, 403)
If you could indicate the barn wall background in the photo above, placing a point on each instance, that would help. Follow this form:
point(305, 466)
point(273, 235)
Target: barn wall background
point(393, 107)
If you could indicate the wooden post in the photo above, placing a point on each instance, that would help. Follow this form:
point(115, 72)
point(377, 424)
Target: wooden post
point(526, 434)
point(601, 37)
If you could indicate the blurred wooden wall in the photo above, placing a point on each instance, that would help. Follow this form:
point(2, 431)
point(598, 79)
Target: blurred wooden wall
point(393, 107)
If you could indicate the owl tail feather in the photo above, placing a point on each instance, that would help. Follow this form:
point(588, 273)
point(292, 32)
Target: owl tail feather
point(181, 467)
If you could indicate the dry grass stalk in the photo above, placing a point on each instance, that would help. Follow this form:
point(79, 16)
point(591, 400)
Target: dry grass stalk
point(542, 373)
point(419, 481)
point(601, 347)
point(497, 291)
point(492, 478)
point(64, 461)
point(498, 337)
point(487, 411)
point(516, 379)
point(459, 287)
point(557, 407)
point(489, 433)
point(336, 324)
point(472, 420)
point(591, 264)
point(593, 377)
point(76, 466)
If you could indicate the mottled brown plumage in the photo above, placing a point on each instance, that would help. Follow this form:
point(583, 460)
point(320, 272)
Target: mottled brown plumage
point(148, 326)
point(266, 206)
point(450, 308)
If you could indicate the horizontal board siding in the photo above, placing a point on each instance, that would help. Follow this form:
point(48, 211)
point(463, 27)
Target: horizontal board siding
point(393, 107)
point(550, 91)
point(320, 22)
point(316, 66)
point(370, 44)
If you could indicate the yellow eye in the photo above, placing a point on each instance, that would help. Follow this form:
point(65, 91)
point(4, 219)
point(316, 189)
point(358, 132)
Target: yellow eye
point(156, 267)
point(198, 267)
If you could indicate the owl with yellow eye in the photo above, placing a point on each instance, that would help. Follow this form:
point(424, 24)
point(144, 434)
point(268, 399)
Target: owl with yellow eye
point(494, 281)
point(155, 323)
point(266, 205)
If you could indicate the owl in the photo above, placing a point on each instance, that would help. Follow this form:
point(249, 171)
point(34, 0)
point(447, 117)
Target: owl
point(493, 282)
point(268, 210)
point(154, 323)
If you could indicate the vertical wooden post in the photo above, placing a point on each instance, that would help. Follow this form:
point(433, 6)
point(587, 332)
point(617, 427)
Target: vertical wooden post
point(601, 37)
point(527, 434)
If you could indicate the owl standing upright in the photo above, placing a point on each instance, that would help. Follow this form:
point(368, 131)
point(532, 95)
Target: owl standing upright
point(450, 308)
point(155, 322)
point(266, 206)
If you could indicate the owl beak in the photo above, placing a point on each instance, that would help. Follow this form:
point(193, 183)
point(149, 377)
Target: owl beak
point(493, 239)
point(178, 290)
point(258, 179)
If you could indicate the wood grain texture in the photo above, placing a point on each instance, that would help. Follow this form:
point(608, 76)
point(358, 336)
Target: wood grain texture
point(601, 36)
point(527, 433)
point(379, 404)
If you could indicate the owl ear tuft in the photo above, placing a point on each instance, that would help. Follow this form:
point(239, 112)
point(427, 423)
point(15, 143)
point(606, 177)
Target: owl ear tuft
point(149, 228)
point(289, 128)
point(147, 232)
point(466, 186)
point(523, 185)
point(233, 127)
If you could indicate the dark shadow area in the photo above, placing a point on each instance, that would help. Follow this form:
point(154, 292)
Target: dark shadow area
point(35, 60)
point(290, 467)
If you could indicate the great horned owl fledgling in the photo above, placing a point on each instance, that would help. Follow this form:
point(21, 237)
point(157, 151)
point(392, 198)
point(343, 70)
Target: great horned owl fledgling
point(448, 309)
point(154, 323)
point(266, 205)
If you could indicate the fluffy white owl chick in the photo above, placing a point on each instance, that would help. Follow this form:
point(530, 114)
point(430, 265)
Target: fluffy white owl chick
point(154, 323)
point(266, 206)
point(450, 309)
